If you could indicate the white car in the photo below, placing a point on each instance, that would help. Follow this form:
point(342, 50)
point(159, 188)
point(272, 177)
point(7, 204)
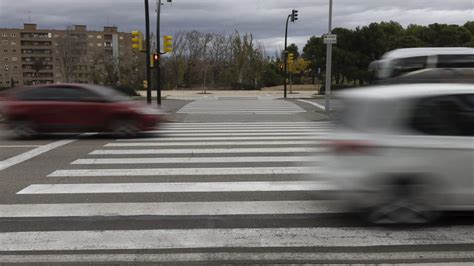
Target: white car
point(404, 153)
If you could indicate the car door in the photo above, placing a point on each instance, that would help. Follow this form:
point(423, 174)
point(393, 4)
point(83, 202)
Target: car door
point(446, 145)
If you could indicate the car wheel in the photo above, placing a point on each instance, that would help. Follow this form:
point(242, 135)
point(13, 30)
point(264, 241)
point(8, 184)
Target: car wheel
point(23, 129)
point(403, 202)
point(124, 128)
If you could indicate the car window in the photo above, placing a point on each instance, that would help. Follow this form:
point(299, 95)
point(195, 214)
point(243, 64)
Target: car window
point(456, 61)
point(451, 115)
point(406, 65)
point(57, 94)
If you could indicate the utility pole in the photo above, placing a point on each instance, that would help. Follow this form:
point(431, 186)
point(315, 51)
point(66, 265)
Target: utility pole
point(329, 63)
point(148, 54)
point(158, 51)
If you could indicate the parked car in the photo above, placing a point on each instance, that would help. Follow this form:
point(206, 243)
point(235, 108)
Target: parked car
point(74, 108)
point(405, 153)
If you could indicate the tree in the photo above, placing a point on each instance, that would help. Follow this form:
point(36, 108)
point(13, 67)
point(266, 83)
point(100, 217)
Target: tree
point(71, 51)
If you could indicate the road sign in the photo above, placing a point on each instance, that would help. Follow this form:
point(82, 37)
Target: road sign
point(330, 38)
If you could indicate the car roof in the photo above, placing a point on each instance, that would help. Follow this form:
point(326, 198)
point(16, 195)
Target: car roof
point(412, 52)
point(401, 91)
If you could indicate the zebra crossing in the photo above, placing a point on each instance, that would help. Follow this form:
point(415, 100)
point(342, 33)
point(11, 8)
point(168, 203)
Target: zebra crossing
point(241, 105)
point(185, 172)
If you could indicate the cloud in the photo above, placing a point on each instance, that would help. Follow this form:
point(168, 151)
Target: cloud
point(264, 18)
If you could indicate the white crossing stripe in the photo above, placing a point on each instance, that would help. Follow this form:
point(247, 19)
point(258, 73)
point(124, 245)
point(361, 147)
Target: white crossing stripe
point(239, 112)
point(181, 187)
point(276, 127)
point(276, 123)
point(281, 131)
point(204, 151)
point(219, 257)
point(199, 134)
point(320, 106)
point(256, 138)
point(226, 143)
point(187, 171)
point(169, 208)
point(329, 237)
point(250, 159)
point(32, 153)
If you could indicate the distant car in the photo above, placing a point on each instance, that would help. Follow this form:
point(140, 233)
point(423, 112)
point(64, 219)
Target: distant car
point(74, 108)
point(405, 153)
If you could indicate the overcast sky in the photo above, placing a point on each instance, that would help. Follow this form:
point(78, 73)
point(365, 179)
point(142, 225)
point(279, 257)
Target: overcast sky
point(264, 18)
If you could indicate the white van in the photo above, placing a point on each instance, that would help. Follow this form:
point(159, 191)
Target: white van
point(421, 65)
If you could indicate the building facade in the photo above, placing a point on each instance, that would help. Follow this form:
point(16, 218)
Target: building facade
point(41, 56)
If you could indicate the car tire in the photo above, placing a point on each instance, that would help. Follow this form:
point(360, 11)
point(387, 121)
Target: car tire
point(124, 128)
point(403, 202)
point(23, 129)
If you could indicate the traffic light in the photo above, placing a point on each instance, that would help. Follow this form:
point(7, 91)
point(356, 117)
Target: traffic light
point(291, 58)
point(294, 15)
point(137, 40)
point(155, 58)
point(168, 44)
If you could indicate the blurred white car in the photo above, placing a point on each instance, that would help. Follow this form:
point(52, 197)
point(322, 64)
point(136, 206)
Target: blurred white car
point(404, 153)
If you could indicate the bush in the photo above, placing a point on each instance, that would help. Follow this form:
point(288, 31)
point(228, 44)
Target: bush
point(126, 90)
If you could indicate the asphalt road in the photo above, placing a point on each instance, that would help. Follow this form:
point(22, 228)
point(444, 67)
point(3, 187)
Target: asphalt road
point(227, 180)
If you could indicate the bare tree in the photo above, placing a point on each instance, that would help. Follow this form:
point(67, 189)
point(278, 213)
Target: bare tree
point(71, 51)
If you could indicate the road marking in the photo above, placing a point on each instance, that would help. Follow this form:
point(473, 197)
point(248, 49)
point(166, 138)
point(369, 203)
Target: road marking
point(329, 237)
point(252, 159)
point(169, 208)
point(204, 151)
point(290, 170)
point(322, 107)
point(181, 187)
point(278, 257)
point(32, 153)
point(281, 131)
point(263, 138)
point(192, 134)
point(218, 112)
point(251, 123)
point(19, 146)
point(222, 143)
point(275, 128)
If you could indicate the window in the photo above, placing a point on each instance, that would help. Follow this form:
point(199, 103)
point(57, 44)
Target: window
point(14, 59)
point(91, 36)
point(56, 35)
point(99, 44)
point(4, 35)
point(456, 61)
point(4, 42)
point(406, 65)
point(5, 59)
point(5, 50)
point(99, 37)
point(450, 115)
point(13, 43)
point(121, 37)
point(14, 51)
point(13, 35)
point(91, 44)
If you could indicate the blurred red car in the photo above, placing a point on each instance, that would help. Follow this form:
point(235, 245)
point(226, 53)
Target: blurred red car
point(66, 108)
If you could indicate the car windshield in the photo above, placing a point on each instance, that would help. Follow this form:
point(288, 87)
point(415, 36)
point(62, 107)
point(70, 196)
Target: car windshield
point(109, 94)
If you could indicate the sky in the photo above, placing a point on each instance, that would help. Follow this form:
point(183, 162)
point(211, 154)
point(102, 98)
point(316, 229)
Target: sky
point(265, 19)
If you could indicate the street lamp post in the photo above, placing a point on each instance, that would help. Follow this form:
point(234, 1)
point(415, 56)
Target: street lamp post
point(329, 63)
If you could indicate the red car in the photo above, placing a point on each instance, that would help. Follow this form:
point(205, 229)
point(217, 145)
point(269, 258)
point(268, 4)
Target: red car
point(74, 108)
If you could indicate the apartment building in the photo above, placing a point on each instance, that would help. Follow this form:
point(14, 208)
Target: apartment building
point(41, 56)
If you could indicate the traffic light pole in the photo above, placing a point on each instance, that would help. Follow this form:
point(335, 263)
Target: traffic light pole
point(148, 54)
point(158, 49)
point(329, 63)
point(285, 57)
